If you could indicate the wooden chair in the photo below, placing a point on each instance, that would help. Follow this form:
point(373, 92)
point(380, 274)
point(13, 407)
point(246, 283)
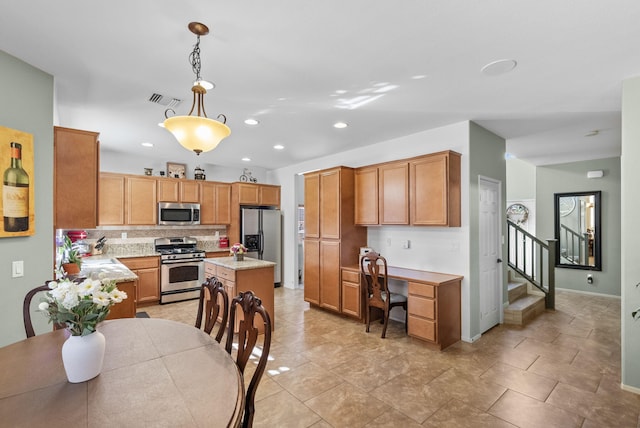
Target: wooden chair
point(26, 310)
point(373, 268)
point(212, 293)
point(247, 338)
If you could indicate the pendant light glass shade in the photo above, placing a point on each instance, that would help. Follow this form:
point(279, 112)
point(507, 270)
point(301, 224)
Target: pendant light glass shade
point(197, 132)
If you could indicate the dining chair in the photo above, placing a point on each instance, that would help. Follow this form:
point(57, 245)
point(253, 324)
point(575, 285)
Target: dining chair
point(26, 310)
point(250, 305)
point(373, 268)
point(212, 293)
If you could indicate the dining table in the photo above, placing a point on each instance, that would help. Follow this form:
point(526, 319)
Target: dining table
point(156, 373)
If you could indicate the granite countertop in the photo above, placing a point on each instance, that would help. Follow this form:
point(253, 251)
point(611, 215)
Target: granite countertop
point(106, 267)
point(247, 263)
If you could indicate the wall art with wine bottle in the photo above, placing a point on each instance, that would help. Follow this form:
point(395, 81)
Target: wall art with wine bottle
point(17, 204)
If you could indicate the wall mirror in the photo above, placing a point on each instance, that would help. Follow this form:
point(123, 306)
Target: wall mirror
point(578, 230)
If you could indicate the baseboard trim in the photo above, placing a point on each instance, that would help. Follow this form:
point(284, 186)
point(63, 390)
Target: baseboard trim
point(630, 388)
point(589, 293)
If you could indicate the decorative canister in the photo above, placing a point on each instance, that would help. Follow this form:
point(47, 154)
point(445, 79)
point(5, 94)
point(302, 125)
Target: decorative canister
point(199, 173)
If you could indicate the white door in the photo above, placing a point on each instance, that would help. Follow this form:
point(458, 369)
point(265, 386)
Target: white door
point(490, 253)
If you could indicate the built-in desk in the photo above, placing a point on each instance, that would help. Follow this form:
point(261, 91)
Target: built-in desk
point(433, 302)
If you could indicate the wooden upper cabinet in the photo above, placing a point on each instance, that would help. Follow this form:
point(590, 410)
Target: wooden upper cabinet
point(76, 169)
point(366, 196)
point(393, 180)
point(215, 203)
point(172, 190)
point(248, 194)
point(435, 190)
point(141, 201)
point(269, 195)
point(258, 194)
point(312, 205)
point(112, 190)
point(330, 204)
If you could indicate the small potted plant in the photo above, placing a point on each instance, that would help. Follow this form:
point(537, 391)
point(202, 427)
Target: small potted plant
point(71, 260)
point(237, 250)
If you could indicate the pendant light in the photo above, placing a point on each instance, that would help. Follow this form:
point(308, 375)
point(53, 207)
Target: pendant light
point(197, 132)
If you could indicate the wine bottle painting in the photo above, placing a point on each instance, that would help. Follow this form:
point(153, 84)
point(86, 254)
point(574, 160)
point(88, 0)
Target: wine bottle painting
point(18, 199)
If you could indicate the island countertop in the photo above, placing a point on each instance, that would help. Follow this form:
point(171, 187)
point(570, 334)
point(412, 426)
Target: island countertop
point(246, 264)
point(108, 268)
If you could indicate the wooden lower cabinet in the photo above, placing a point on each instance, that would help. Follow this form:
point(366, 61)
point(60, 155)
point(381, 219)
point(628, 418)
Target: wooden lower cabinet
point(312, 271)
point(434, 312)
point(148, 283)
point(330, 275)
point(127, 308)
point(351, 293)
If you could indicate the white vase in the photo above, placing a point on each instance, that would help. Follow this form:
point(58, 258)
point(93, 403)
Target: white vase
point(82, 356)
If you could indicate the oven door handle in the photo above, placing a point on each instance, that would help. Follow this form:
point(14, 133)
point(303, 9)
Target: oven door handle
point(183, 261)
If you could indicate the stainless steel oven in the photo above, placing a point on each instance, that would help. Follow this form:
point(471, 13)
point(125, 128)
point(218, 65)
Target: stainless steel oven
point(181, 269)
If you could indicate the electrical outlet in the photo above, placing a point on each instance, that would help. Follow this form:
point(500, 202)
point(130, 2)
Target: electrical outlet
point(123, 235)
point(17, 269)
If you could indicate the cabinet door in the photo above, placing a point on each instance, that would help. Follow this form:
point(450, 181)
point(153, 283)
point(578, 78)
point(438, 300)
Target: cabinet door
point(168, 190)
point(148, 285)
point(75, 179)
point(312, 271)
point(394, 193)
point(312, 206)
point(223, 203)
point(366, 196)
point(207, 202)
point(141, 201)
point(330, 275)
point(126, 308)
point(270, 196)
point(351, 295)
point(189, 191)
point(248, 194)
point(111, 202)
point(330, 204)
point(429, 197)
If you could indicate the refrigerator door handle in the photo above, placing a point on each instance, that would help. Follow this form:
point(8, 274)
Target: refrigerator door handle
point(261, 244)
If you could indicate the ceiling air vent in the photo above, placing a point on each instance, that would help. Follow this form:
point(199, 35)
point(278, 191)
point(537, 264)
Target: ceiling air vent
point(163, 100)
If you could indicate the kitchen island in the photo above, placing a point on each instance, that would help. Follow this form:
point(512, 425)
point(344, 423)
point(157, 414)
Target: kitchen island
point(247, 275)
point(103, 267)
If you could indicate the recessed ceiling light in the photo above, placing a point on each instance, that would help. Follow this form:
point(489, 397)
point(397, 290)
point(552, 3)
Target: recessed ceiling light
point(341, 91)
point(340, 125)
point(499, 67)
point(246, 159)
point(251, 122)
point(147, 144)
point(278, 147)
point(419, 76)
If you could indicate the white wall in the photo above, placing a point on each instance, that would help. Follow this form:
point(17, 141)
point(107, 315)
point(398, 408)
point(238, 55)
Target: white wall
point(432, 248)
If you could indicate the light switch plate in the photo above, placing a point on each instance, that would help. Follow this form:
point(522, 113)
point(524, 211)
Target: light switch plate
point(17, 268)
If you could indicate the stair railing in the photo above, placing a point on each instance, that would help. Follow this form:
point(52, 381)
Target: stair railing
point(533, 259)
point(577, 246)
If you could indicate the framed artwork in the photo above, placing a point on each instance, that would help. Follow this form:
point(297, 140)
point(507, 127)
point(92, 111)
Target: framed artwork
point(176, 170)
point(18, 197)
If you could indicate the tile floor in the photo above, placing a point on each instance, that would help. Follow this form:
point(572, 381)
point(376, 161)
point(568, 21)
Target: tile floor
point(561, 370)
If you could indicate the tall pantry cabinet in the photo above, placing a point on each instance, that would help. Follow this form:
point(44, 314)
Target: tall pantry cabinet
point(331, 237)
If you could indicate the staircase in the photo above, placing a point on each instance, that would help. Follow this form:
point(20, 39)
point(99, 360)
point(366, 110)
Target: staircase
point(523, 307)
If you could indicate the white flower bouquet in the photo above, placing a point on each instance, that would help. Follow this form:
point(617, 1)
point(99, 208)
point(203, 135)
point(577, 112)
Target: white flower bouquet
point(80, 305)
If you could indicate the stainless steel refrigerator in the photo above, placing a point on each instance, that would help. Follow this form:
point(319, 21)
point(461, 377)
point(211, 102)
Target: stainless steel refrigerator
point(261, 231)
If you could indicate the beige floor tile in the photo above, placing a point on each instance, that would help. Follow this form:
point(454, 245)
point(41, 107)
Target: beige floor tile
point(525, 412)
point(347, 406)
point(587, 378)
point(460, 415)
point(307, 381)
point(283, 410)
point(392, 419)
point(519, 380)
point(554, 351)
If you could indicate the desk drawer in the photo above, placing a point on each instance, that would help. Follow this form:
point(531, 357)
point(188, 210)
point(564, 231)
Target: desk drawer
point(422, 307)
point(422, 328)
point(421, 289)
point(350, 275)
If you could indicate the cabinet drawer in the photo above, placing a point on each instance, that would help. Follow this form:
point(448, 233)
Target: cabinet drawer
point(140, 262)
point(225, 273)
point(422, 328)
point(422, 307)
point(209, 270)
point(421, 289)
point(350, 275)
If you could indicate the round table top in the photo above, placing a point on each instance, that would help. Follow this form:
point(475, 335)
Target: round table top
point(156, 373)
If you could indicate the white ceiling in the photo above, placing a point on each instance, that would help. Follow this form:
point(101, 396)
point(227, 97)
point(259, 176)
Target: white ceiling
point(283, 62)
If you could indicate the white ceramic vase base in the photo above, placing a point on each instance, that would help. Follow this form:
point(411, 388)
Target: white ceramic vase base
point(82, 356)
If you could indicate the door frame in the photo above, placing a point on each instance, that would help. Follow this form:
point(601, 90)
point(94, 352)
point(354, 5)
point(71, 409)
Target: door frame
point(499, 240)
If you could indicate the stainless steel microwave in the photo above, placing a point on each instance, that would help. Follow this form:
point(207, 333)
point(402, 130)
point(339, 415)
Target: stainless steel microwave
point(176, 214)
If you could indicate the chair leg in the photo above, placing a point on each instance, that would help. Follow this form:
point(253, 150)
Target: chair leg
point(368, 317)
point(386, 321)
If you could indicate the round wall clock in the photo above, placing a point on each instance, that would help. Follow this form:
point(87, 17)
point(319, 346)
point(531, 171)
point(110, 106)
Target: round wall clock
point(567, 205)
